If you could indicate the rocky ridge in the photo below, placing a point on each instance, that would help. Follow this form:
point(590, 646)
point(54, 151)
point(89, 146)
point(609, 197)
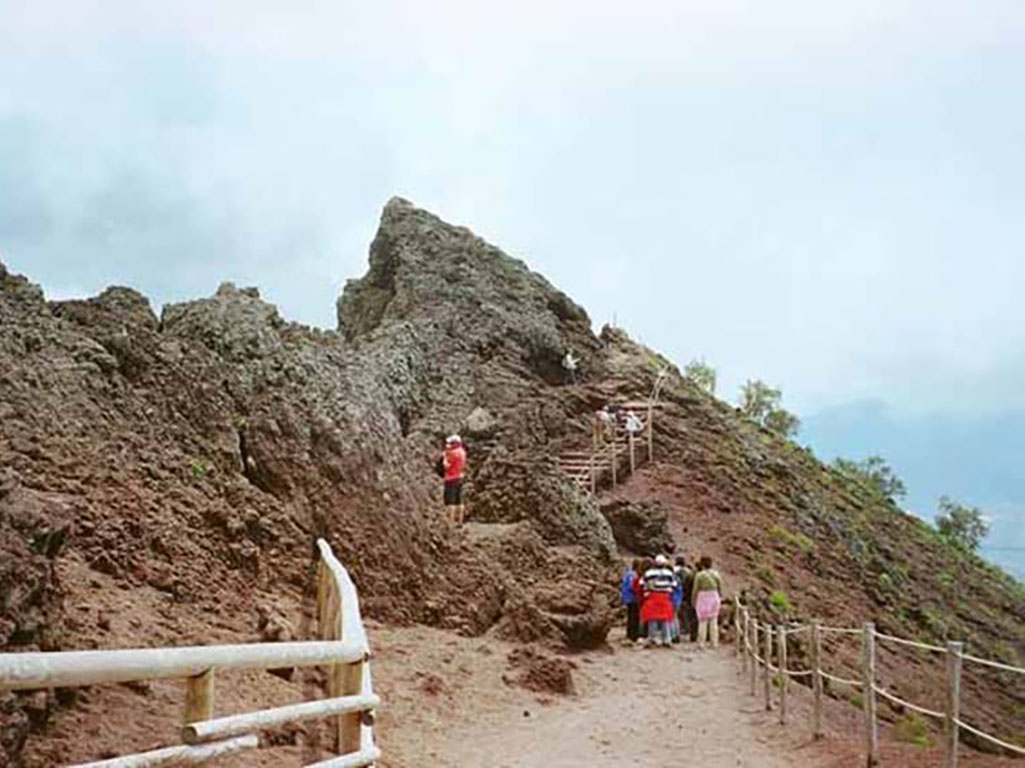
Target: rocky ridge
point(186, 463)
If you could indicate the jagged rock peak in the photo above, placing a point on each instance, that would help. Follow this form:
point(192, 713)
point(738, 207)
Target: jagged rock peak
point(234, 322)
point(422, 266)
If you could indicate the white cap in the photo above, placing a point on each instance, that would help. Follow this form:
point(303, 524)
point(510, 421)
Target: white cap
point(453, 440)
point(661, 560)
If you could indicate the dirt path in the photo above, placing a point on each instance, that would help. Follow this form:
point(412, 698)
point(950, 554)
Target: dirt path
point(620, 722)
point(616, 717)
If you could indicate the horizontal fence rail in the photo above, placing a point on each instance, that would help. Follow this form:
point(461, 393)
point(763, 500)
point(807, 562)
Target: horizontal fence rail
point(29, 671)
point(342, 648)
point(749, 628)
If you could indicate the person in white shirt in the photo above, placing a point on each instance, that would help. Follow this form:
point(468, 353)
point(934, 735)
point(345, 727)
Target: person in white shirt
point(569, 368)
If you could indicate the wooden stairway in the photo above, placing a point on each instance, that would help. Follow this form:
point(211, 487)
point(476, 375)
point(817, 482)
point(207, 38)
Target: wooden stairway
point(588, 470)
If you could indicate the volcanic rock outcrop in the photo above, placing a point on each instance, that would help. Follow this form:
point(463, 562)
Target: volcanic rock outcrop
point(163, 479)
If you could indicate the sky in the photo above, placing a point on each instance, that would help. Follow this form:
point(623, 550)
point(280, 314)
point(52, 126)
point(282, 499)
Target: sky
point(824, 195)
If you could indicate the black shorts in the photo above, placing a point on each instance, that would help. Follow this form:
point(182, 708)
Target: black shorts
point(453, 492)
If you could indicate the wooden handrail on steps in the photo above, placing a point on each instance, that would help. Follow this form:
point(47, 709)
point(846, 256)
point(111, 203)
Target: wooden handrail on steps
point(343, 647)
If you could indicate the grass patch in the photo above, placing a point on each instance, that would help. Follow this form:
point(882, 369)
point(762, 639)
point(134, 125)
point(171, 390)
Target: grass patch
point(791, 538)
point(765, 574)
point(857, 700)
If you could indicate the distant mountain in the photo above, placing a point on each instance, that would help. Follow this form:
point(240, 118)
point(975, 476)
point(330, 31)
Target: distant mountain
point(978, 460)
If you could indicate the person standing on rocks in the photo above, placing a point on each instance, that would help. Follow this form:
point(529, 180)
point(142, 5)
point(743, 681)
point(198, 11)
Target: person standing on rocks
point(657, 610)
point(454, 465)
point(569, 368)
point(707, 598)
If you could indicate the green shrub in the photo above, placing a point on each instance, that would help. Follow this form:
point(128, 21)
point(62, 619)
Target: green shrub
point(857, 700)
point(912, 729)
point(200, 468)
point(779, 602)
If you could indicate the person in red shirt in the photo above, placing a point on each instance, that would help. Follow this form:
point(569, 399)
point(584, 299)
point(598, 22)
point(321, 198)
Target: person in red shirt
point(454, 462)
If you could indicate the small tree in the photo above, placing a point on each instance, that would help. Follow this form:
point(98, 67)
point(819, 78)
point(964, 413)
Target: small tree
point(782, 422)
point(761, 403)
point(962, 526)
point(876, 472)
point(758, 399)
point(701, 374)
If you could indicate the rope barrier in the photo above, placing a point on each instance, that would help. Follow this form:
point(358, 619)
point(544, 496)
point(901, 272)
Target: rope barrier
point(841, 630)
point(953, 653)
point(994, 664)
point(984, 735)
point(842, 680)
point(887, 695)
point(795, 673)
point(912, 643)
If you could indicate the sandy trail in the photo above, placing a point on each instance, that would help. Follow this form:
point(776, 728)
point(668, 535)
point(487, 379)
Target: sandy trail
point(619, 718)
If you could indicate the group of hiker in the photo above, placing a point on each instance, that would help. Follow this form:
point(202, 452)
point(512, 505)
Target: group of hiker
point(667, 600)
point(607, 419)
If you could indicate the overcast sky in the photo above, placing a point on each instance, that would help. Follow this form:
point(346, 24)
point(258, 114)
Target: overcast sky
point(825, 195)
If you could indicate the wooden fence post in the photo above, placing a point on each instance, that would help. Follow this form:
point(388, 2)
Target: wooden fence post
point(199, 697)
point(753, 637)
point(869, 691)
point(651, 430)
point(767, 679)
point(782, 674)
point(816, 679)
point(594, 476)
point(749, 663)
point(954, 651)
point(736, 622)
point(614, 457)
point(633, 462)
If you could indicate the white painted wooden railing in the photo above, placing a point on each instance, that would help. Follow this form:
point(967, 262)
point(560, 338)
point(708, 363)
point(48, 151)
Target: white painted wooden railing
point(749, 629)
point(343, 649)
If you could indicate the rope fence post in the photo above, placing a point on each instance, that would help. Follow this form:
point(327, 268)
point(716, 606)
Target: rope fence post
point(199, 697)
point(816, 679)
point(736, 622)
point(782, 650)
point(869, 691)
point(767, 678)
point(954, 652)
point(753, 637)
point(651, 429)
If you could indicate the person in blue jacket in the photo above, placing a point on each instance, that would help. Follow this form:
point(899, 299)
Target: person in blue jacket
point(628, 596)
point(677, 597)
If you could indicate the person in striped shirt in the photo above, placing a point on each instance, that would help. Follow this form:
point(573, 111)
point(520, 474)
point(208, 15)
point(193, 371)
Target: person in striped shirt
point(657, 610)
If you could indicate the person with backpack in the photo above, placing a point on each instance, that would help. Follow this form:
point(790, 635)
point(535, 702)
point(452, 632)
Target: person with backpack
point(657, 610)
point(453, 469)
point(628, 596)
point(707, 599)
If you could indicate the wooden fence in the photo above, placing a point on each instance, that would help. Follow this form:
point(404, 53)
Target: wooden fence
point(750, 631)
point(342, 649)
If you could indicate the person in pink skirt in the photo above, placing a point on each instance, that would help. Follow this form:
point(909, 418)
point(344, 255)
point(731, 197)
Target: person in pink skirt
point(707, 599)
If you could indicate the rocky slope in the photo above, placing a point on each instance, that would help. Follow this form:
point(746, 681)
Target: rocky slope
point(163, 479)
